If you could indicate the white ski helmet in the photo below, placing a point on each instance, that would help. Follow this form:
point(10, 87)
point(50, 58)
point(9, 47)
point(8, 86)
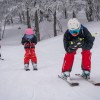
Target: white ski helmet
point(73, 24)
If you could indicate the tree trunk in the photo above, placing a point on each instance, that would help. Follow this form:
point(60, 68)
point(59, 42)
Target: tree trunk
point(4, 28)
point(65, 13)
point(20, 18)
point(98, 13)
point(37, 26)
point(90, 10)
point(74, 15)
point(55, 31)
point(11, 20)
point(23, 17)
point(0, 32)
point(28, 19)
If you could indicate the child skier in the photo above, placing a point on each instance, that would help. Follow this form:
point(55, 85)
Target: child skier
point(77, 36)
point(29, 41)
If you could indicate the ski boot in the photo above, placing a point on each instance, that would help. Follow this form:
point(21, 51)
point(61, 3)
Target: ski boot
point(66, 74)
point(34, 66)
point(86, 74)
point(26, 67)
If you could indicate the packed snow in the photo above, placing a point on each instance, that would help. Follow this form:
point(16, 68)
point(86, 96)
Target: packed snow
point(44, 84)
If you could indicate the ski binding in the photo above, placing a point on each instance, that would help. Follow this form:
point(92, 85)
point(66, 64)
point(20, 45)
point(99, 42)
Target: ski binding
point(69, 81)
point(89, 80)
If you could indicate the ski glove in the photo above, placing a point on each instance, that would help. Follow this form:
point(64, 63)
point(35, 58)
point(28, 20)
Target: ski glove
point(73, 45)
point(78, 43)
point(70, 50)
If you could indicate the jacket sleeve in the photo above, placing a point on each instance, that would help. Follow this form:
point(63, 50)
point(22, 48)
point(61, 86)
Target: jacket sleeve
point(88, 40)
point(34, 39)
point(23, 41)
point(66, 41)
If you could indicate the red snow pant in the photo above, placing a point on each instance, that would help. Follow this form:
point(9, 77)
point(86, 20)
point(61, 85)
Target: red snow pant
point(30, 55)
point(69, 59)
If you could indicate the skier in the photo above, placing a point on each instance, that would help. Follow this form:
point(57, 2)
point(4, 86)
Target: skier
point(29, 41)
point(77, 36)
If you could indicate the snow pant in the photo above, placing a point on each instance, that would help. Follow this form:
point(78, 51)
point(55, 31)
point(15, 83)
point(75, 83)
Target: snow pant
point(30, 55)
point(69, 59)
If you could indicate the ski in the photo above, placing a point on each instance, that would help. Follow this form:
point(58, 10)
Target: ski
point(69, 81)
point(89, 80)
point(27, 69)
point(1, 59)
point(35, 69)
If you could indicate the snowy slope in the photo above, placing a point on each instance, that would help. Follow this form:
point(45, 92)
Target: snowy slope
point(17, 84)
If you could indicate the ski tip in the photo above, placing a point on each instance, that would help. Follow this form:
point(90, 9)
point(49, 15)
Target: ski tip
point(59, 76)
point(97, 84)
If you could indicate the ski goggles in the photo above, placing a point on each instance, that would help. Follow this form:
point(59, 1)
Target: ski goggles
point(74, 31)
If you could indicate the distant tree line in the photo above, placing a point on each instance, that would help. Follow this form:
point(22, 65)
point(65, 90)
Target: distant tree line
point(36, 11)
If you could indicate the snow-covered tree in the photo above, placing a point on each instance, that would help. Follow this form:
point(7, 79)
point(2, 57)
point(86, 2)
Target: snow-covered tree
point(90, 10)
point(97, 9)
point(35, 11)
